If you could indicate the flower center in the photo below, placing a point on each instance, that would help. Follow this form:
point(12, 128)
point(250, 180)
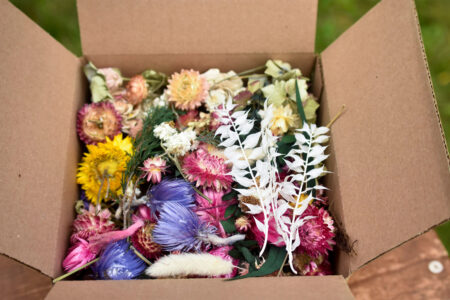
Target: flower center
point(108, 167)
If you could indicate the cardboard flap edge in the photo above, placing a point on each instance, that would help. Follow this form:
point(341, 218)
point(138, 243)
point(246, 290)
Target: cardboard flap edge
point(391, 156)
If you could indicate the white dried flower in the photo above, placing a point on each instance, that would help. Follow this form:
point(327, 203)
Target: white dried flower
point(164, 131)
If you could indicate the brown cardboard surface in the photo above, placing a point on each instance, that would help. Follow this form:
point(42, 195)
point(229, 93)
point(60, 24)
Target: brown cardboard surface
point(39, 86)
point(392, 179)
point(329, 287)
point(169, 63)
point(196, 26)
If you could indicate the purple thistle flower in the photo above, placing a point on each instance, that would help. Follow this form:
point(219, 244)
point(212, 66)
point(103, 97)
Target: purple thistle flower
point(180, 229)
point(170, 191)
point(118, 262)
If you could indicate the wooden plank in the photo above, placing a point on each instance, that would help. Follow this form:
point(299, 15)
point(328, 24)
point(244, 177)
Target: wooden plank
point(404, 274)
point(18, 281)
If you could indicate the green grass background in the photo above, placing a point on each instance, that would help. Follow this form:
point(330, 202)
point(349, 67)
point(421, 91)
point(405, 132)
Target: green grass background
point(60, 19)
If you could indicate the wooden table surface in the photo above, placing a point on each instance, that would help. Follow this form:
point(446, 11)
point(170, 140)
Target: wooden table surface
point(401, 274)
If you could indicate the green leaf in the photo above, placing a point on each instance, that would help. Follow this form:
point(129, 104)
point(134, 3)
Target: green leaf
point(288, 138)
point(230, 210)
point(301, 112)
point(99, 90)
point(90, 71)
point(228, 225)
point(231, 195)
point(274, 260)
point(310, 109)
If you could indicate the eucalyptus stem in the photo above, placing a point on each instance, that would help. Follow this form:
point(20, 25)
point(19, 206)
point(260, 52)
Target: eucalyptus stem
point(76, 270)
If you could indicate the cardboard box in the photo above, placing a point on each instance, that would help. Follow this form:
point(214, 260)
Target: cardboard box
point(389, 159)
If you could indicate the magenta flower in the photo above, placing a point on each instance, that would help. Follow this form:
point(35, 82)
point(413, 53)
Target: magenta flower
point(89, 223)
point(79, 255)
point(207, 170)
point(214, 212)
point(317, 233)
point(153, 167)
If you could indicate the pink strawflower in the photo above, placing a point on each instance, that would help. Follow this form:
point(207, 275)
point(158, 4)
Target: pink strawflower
point(207, 170)
point(79, 255)
point(187, 90)
point(88, 223)
point(136, 127)
point(97, 121)
point(317, 234)
point(142, 240)
point(113, 78)
point(153, 167)
point(273, 236)
point(223, 253)
point(85, 251)
point(242, 224)
point(136, 90)
point(214, 212)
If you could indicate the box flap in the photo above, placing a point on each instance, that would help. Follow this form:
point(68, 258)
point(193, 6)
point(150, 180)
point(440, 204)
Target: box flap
point(197, 26)
point(392, 179)
point(39, 83)
point(323, 287)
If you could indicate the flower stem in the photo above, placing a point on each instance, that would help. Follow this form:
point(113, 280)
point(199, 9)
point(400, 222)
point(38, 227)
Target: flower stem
point(76, 270)
point(282, 265)
point(241, 75)
point(340, 112)
point(140, 255)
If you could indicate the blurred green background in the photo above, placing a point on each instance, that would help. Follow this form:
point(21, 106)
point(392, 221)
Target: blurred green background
point(60, 19)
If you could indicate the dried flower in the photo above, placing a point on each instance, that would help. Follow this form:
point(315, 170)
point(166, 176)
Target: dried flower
point(223, 253)
point(214, 212)
point(207, 170)
point(226, 81)
point(118, 262)
point(135, 127)
point(311, 266)
point(170, 191)
point(242, 224)
point(283, 120)
point(103, 165)
point(97, 121)
point(136, 90)
point(180, 143)
point(317, 233)
point(179, 229)
point(89, 223)
point(153, 167)
point(142, 240)
point(79, 255)
point(164, 131)
point(215, 98)
point(113, 78)
point(187, 89)
point(273, 236)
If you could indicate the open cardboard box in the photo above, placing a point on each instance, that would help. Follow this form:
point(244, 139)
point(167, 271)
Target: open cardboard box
point(389, 159)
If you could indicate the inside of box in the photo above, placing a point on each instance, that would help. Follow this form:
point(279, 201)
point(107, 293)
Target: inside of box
point(133, 64)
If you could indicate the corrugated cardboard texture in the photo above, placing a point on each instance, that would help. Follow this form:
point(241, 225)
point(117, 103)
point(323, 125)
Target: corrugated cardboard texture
point(196, 26)
point(391, 178)
point(308, 288)
point(39, 83)
point(169, 63)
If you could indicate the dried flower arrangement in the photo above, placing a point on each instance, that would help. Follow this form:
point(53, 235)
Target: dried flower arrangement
point(201, 175)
